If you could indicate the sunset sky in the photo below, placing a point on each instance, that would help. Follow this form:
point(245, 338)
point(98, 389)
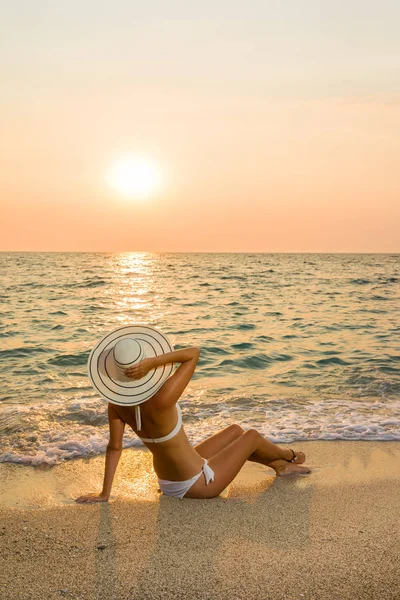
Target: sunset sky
point(266, 126)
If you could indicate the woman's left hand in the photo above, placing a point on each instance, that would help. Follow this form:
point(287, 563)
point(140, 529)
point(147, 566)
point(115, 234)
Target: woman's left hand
point(89, 498)
point(140, 369)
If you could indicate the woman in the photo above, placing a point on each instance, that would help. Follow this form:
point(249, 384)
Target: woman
point(184, 471)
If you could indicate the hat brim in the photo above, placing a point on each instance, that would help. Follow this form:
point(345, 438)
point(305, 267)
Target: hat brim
point(117, 388)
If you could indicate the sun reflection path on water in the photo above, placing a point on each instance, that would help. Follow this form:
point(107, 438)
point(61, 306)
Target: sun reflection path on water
point(136, 291)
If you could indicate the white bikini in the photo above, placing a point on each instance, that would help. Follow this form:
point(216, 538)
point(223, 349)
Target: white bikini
point(175, 488)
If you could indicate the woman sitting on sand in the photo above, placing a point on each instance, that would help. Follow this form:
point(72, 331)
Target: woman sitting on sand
point(131, 369)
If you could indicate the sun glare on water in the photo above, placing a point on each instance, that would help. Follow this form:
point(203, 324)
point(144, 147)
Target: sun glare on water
point(134, 177)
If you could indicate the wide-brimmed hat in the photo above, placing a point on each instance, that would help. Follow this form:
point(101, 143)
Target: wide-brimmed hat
point(123, 348)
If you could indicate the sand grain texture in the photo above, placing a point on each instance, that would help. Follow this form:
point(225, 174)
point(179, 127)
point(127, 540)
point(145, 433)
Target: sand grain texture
point(331, 535)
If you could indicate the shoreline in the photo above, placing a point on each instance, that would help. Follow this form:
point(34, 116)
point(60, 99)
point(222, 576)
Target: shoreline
point(333, 534)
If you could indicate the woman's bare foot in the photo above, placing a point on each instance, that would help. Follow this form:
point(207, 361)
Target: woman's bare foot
point(282, 467)
point(300, 456)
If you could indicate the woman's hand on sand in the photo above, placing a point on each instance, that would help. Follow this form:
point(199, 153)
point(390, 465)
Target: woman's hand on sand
point(89, 498)
point(141, 369)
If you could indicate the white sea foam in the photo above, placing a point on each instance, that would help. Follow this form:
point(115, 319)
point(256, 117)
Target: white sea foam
point(54, 442)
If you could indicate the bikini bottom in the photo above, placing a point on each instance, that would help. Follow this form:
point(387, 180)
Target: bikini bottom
point(179, 488)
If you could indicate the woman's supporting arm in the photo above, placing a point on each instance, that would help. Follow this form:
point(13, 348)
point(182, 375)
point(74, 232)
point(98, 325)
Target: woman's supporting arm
point(112, 458)
point(113, 453)
point(114, 448)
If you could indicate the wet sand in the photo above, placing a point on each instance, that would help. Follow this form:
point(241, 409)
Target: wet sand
point(333, 534)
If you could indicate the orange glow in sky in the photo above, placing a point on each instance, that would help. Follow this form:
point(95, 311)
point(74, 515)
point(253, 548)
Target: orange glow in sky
point(207, 127)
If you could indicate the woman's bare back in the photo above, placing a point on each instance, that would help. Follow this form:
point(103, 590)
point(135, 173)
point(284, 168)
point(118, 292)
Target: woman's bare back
point(175, 459)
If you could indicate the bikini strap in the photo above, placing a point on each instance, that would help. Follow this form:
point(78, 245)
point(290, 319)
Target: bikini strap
point(173, 433)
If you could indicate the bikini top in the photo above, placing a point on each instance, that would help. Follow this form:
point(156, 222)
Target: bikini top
point(173, 433)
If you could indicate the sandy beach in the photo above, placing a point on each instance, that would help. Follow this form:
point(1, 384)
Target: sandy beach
point(331, 535)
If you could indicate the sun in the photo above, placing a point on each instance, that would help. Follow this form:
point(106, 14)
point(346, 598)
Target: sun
point(134, 177)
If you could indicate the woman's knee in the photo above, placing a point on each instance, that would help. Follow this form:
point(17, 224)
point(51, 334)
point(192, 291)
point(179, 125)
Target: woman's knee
point(252, 435)
point(235, 429)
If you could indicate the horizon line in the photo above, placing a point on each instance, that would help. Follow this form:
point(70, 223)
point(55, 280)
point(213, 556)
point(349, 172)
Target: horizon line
point(174, 252)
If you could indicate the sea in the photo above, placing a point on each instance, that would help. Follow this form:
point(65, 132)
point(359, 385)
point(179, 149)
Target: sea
point(300, 346)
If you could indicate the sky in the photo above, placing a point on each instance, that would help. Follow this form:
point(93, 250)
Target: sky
point(275, 125)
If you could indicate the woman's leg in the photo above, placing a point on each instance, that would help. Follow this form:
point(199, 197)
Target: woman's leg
point(227, 463)
point(217, 442)
point(266, 453)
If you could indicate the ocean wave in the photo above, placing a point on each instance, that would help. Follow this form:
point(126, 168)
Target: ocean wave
point(197, 303)
point(243, 346)
point(333, 360)
point(67, 360)
point(393, 357)
point(360, 281)
point(264, 338)
point(22, 352)
point(91, 282)
point(388, 279)
point(257, 361)
point(84, 432)
point(213, 350)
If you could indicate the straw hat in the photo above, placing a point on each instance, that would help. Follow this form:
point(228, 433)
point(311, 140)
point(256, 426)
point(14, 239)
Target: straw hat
point(123, 348)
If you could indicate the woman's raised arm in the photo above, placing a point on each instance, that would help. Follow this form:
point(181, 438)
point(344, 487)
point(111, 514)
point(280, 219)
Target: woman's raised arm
point(178, 356)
